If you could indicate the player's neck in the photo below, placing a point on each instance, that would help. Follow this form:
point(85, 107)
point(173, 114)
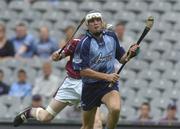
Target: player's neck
point(98, 36)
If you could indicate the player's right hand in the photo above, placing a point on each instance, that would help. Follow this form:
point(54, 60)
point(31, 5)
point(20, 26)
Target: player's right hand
point(113, 77)
point(133, 51)
point(56, 56)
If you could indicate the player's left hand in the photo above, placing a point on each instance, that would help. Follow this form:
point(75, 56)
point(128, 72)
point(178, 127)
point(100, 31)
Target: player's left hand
point(56, 56)
point(133, 51)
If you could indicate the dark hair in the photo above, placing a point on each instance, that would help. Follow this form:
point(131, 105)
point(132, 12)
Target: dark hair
point(21, 71)
point(172, 106)
point(36, 97)
point(21, 24)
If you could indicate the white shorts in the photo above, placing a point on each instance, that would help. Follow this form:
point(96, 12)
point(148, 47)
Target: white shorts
point(69, 91)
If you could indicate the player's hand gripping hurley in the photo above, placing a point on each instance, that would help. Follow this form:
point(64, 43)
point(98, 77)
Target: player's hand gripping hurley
point(149, 24)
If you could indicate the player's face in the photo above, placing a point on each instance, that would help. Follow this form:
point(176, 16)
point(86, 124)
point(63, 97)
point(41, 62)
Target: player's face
point(95, 25)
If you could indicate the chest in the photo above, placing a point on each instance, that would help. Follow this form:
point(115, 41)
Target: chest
point(44, 47)
point(22, 87)
point(102, 48)
point(18, 43)
point(102, 52)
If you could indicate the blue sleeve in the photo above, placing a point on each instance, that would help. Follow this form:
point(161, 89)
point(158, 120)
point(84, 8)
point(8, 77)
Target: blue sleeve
point(29, 40)
point(81, 55)
point(119, 50)
point(30, 43)
point(12, 89)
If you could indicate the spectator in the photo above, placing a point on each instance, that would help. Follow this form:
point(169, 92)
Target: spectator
point(6, 46)
point(37, 101)
point(23, 42)
point(45, 45)
point(125, 40)
point(46, 84)
point(144, 113)
point(4, 88)
point(170, 114)
point(21, 88)
point(68, 33)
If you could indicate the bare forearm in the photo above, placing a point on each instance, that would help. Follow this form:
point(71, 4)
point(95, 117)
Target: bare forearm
point(123, 58)
point(132, 52)
point(93, 74)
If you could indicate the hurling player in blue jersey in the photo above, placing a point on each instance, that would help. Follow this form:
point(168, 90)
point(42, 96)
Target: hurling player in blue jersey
point(95, 57)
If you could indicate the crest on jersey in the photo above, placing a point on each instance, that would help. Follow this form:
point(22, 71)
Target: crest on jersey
point(100, 58)
point(77, 59)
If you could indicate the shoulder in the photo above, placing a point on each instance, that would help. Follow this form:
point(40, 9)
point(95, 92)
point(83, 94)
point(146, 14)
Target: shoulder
point(29, 37)
point(12, 39)
point(9, 43)
point(52, 40)
point(3, 84)
point(14, 85)
point(109, 33)
point(28, 85)
point(85, 41)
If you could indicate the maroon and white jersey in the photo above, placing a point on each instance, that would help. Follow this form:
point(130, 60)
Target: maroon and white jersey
point(69, 51)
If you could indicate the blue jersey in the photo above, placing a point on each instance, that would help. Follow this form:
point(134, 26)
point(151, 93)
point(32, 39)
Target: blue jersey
point(98, 55)
point(44, 49)
point(28, 41)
